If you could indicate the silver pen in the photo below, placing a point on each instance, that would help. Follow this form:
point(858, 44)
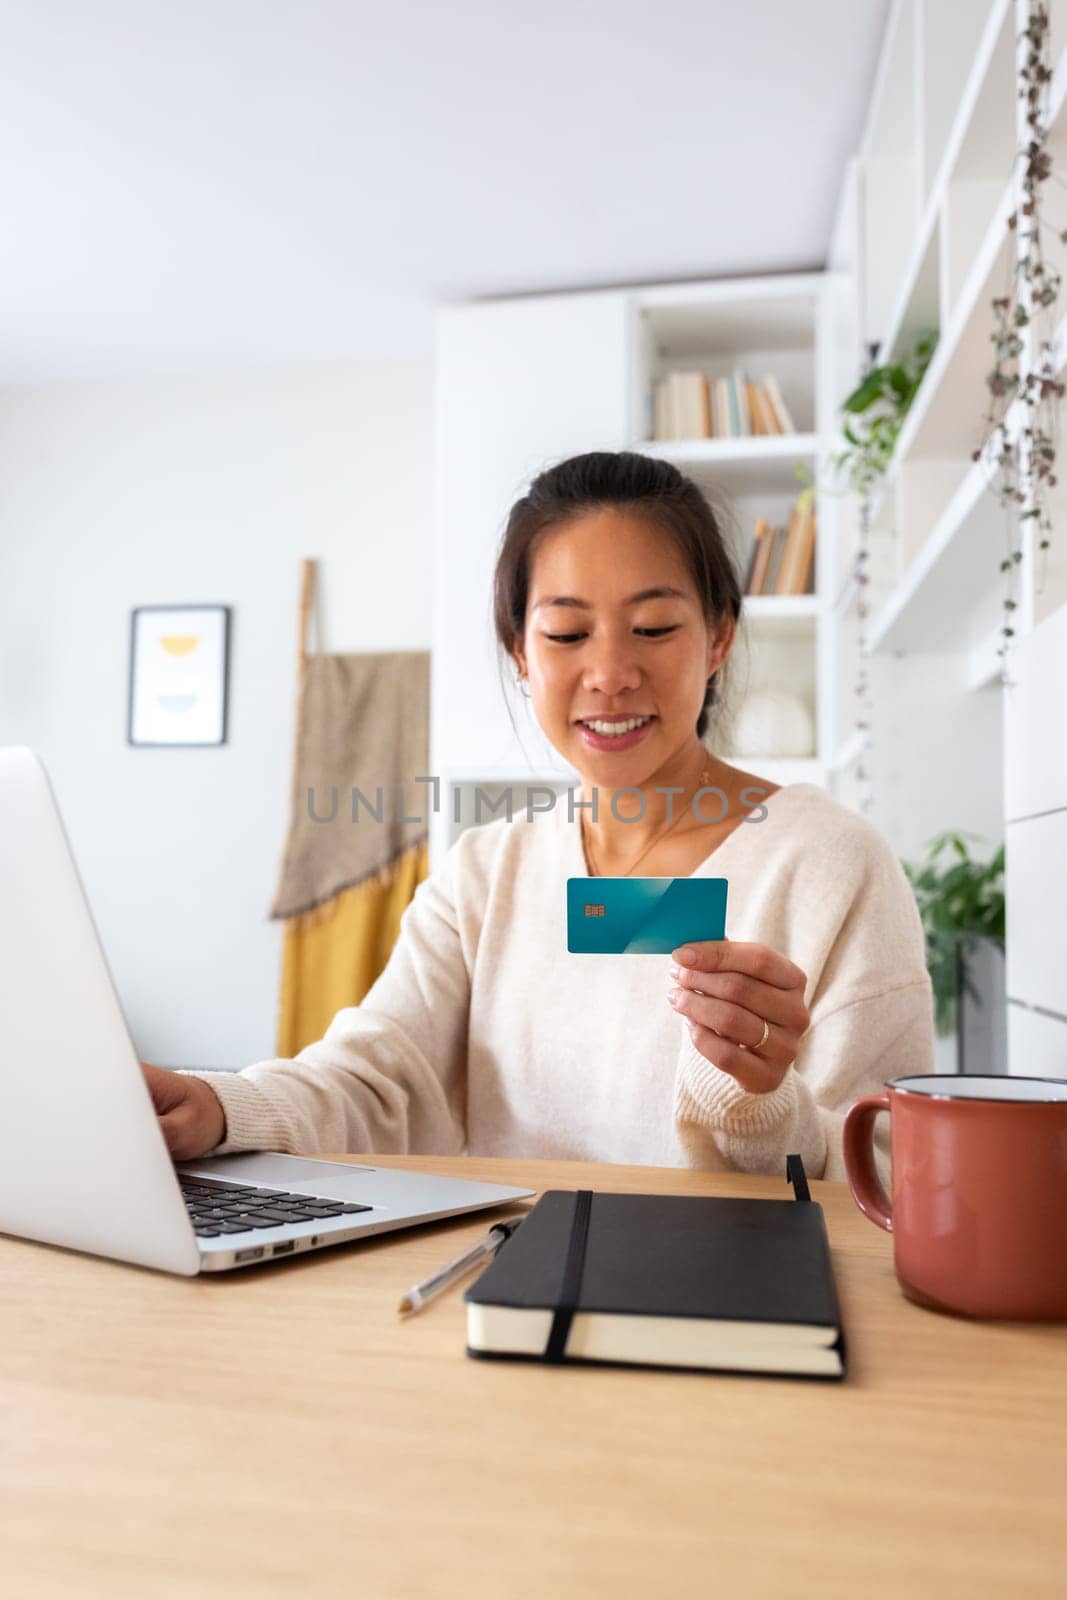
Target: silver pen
point(418, 1295)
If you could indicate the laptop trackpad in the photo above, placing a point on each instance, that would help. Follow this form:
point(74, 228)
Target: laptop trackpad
point(282, 1172)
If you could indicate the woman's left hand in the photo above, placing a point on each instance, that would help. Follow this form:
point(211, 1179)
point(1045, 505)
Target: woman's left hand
point(728, 993)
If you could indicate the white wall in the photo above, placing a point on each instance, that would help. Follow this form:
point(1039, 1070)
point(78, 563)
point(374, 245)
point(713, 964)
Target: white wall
point(114, 495)
point(938, 754)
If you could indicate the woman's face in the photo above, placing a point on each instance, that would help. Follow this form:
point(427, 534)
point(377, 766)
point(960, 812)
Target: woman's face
point(616, 647)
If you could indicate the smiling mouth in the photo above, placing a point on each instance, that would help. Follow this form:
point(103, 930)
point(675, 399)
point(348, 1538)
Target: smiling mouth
point(609, 727)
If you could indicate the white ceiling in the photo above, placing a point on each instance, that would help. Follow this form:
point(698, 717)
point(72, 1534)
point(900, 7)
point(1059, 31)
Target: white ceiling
point(225, 183)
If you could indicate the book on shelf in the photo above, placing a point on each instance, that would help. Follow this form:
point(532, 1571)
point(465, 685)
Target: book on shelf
point(734, 409)
point(759, 535)
point(782, 560)
point(762, 550)
point(690, 405)
point(774, 561)
point(787, 554)
point(758, 408)
point(778, 405)
point(721, 412)
point(798, 552)
point(743, 407)
point(687, 392)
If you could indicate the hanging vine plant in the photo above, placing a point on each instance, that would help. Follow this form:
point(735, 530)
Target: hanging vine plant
point(1022, 414)
point(872, 418)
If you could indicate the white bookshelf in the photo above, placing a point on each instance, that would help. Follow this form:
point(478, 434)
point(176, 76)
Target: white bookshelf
point(924, 222)
point(740, 467)
point(773, 325)
point(604, 350)
point(943, 529)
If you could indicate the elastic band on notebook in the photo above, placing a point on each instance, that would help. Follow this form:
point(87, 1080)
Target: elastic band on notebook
point(795, 1174)
point(571, 1287)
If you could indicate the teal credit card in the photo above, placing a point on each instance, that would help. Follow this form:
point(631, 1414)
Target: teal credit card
point(643, 916)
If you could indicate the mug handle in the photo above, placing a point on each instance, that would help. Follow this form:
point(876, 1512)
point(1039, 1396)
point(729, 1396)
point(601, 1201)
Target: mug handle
point(868, 1190)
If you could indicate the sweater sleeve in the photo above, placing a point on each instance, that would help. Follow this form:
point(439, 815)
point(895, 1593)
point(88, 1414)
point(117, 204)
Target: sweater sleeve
point(848, 1053)
point(869, 997)
point(389, 1076)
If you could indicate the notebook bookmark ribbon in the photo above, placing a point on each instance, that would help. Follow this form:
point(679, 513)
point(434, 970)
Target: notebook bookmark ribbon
point(571, 1288)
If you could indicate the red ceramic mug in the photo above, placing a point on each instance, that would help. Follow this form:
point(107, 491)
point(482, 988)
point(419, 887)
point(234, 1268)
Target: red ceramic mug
point(979, 1208)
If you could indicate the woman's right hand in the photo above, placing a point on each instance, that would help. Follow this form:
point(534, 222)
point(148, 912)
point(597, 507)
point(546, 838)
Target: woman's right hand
point(190, 1112)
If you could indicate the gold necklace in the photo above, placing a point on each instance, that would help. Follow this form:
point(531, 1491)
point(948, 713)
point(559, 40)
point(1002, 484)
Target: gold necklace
point(705, 775)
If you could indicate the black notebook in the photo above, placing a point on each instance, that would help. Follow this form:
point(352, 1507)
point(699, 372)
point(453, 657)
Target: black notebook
point(665, 1281)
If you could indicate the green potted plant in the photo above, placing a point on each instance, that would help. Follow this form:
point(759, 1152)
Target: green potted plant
point(874, 414)
point(961, 901)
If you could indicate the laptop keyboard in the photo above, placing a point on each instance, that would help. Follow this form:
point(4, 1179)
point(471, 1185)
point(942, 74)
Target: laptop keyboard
point(217, 1208)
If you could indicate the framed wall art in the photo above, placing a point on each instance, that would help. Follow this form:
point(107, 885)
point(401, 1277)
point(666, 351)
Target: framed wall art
point(179, 669)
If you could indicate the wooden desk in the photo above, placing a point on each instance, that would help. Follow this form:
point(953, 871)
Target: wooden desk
point(280, 1432)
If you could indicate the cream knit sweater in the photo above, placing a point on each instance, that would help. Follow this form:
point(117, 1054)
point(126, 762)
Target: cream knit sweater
point(484, 1035)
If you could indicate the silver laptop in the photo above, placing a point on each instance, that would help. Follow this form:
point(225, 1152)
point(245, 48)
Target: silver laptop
point(83, 1162)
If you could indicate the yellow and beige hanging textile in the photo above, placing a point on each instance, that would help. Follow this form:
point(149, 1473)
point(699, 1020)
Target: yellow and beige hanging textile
point(357, 845)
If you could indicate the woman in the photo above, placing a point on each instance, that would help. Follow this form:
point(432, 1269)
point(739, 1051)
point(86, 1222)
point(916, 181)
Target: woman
point(616, 602)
